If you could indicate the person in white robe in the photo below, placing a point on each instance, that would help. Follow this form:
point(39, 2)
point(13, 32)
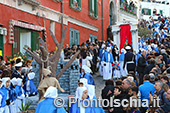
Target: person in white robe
point(20, 94)
point(101, 52)
point(107, 64)
point(121, 62)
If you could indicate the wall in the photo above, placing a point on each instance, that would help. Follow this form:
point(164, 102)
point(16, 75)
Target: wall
point(157, 6)
point(50, 11)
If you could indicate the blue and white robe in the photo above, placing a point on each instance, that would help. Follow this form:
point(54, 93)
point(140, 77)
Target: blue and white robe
point(107, 59)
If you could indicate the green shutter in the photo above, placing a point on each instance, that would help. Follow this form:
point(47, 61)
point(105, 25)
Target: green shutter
point(74, 37)
point(96, 8)
point(149, 10)
point(142, 11)
point(71, 37)
point(79, 3)
point(77, 38)
point(92, 37)
point(161, 12)
point(34, 41)
point(90, 7)
point(1, 44)
point(16, 45)
point(71, 3)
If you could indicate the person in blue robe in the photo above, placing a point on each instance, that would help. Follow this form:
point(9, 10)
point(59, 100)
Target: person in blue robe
point(75, 107)
point(121, 62)
point(91, 95)
point(13, 95)
point(20, 94)
point(138, 55)
point(2, 102)
point(107, 60)
point(86, 74)
point(47, 105)
point(6, 91)
point(29, 87)
point(102, 50)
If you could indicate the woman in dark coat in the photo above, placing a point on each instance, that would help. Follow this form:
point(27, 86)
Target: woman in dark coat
point(118, 94)
point(108, 91)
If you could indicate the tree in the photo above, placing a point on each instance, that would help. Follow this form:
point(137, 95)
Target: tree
point(45, 61)
point(144, 32)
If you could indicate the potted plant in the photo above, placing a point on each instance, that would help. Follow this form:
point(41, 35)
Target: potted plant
point(24, 109)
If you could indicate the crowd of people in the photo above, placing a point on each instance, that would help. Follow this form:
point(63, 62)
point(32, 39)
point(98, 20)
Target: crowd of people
point(127, 73)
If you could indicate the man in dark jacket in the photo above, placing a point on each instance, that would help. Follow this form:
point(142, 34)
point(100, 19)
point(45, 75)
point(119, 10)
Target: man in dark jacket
point(108, 91)
point(129, 60)
point(160, 92)
point(141, 66)
point(166, 106)
point(17, 72)
point(149, 67)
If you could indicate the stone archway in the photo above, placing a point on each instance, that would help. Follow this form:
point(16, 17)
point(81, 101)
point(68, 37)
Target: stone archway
point(112, 14)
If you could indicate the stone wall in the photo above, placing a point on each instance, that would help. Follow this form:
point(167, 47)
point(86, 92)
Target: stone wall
point(68, 81)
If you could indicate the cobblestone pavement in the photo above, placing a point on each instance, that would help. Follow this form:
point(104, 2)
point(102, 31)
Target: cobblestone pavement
point(99, 83)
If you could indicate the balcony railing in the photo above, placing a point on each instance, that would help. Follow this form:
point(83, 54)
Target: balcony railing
point(128, 8)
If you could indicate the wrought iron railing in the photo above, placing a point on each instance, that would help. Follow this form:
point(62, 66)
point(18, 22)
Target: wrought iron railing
point(128, 8)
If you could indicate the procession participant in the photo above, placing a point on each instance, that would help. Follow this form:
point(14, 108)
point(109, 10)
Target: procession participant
point(82, 94)
point(86, 74)
point(20, 94)
point(48, 81)
point(101, 52)
point(5, 90)
point(91, 96)
point(107, 66)
point(29, 87)
point(129, 61)
point(47, 105)
point(121, 61)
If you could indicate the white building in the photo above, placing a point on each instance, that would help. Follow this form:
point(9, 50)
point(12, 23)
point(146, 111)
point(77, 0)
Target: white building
point(152, 8)
point(124, 14)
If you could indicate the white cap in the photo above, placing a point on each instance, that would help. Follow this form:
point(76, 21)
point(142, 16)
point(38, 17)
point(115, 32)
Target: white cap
point(127, 47)
point(123, 50)
point(18, 64)
point(80, 91)
point(31, 75)
point(108, 49)
point(91, 91)
point(84, 81)
point(19, 81)
point(14, 81)
point(4, 80)
point(51, 92)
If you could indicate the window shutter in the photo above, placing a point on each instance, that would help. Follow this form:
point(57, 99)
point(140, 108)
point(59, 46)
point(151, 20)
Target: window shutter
point(96, 8)
point(161, 12)
point(34, 41)
point(1, 45)
point(142, 11)
point(16, 45)
point(79, 3)
point(77, 38)
point(90, 7)
point(149, 10)
point(71, 3)
point(71, 37)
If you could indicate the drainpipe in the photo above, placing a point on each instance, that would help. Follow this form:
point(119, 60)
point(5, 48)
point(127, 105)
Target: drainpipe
point(102, 23)
point(61, 18)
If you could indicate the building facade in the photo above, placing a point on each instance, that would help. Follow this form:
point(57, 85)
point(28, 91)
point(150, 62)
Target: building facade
point(154, 8)
point(24, 20)
point(124, 20)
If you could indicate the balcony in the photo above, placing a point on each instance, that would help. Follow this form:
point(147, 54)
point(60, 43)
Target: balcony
point(128, 8)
